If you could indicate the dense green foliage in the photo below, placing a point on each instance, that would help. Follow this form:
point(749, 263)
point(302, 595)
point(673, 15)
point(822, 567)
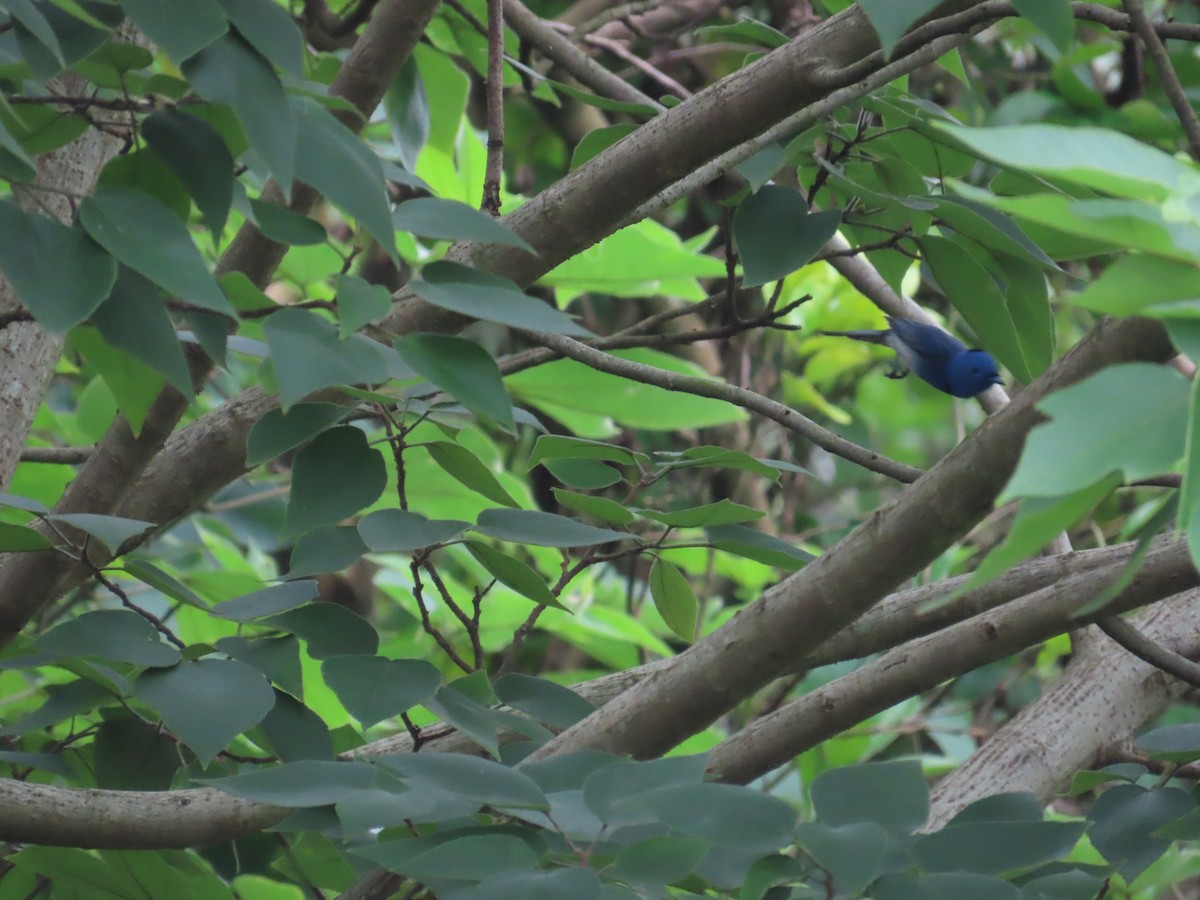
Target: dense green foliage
point(331, 486)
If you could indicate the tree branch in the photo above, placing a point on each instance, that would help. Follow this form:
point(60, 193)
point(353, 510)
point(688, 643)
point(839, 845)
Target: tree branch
point(1152, 652)
point(1166, 74)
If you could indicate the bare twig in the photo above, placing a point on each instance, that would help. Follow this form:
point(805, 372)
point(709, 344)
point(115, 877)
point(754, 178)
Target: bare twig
point(69, 456)
point(495, 109)
point(1166, 73)
point(1150, 651)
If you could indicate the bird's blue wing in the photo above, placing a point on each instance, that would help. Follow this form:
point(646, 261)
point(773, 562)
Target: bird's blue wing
point(926, 340)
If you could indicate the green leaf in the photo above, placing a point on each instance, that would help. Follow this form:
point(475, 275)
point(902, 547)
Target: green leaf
point(719, 458)
point(553, 446)
point(15, 164)
point(197, 154)
point(1038, 521)
point(20, 538)
point(745, 29)
point(400, 531)
point(1129, 418)
point(281, 224)
point(230, 71)
point(755, 545)
point(992, 848)
point(277, 431)
point(727, 815)
point(491, 298)
point(464, 370)
point(293, 730)
point(1124, 818)
point(307, 355)
point(465, 467)
point(1093, 157)
point(206, 703)
point(270, 30)
point(142, 233)
point(990, 228)
point(165, 584)
point(434, 217)
point(608, 790)
point(975, 294)
point(331, 158)
point(327, 549)
point(598, 140)
point(1138, 284)
point(133, 755)
point(28, 504)
point(120, 635)
point(891, 794)
point(111, 531)
point(277, 657)
point(1052, 17)
point(586, 474)
point(891, 19)
point(852, 855)
point(134, 386)
point(776, 234)
point(597, 507)
point(59, 273)
point(513, 573)
point(723, 512)
point(473, 857)
point(407, 106)
point(373, 688)
point(333, 476)
point(1165, 514)
point(674, 599)
point(481, 780)
point(476, 721)
point(310, 782)
point(134, 320)
point(328, 630)
point(659, 860)
point(531, 526)
point(546, 701)
point(359, 302)
point(267, 602)
point(36, 24)
point(1174, 743)
point(180, 36)
point(535, 884)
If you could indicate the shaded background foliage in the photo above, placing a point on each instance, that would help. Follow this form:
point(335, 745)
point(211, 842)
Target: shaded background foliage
point(323, 487)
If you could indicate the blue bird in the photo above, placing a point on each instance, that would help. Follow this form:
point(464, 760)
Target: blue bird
point(935, 356)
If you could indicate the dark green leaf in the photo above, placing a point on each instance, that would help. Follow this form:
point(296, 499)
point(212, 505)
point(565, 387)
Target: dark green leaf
point(287, 227)
point(1175, 743)
point(231, 71)
point(373, 688)
point(1130, 418)
point(270, 30)
point(1124, 818)
point(19, 539)
point(407, 105)
point(197, 154)
point(1053, 18)
point(472, 777)
point(529, 526)
point(659, 860)
point(120, 635)
point(725, 814)
point(294, 731)
point(359, 302)
point(142, 233)
point(597, 507)
point(152, 575)
point(35, 22)
point(745, 29)
point(553, 446)
point(852, 855)
point(267, 602)
point(328, 630)
point(180, 36)
point(610, 789)
point(586, 474)
point(133, 755)
point(278, 432)
point(111, 531)
point(144, 171)
point(133, 385)
point(472, 857)
point(133, 319)
point(276, 657)
point(462, 465)
point(451, 220)
point(62, 702)
point(333, 476)
point(361, 811)
point(333, 160)
point(208, 702)
point(464, 370)
point(764, 548)
point(891, 794)
point(513, 573)
point(546, 701)
point(598, 140)
point(992, 848)
point(28, 504)
point(15, 164)
point(399, 531)
point(776, 234)
point(674, 599)
point(535, 884)
point(59, 273)
point(308, 355)
point(711, 515)
point(481, 295)
point(891, 19)
point(474, 720)
point(327, 549)
point(310, 782)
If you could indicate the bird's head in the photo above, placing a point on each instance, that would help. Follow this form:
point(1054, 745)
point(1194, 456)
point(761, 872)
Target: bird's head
point(971, 372)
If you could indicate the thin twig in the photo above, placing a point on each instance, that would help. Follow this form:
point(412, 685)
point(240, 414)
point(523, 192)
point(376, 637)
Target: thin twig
point(69, 456)
point(1150, 651)
point(495, 109)
point(1166, 73)
point(414, 567)
point(619, 50)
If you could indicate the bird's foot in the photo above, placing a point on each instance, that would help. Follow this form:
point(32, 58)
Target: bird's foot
point(896, 371)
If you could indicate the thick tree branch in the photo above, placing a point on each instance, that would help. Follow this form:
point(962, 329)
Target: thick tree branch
point(801, 612)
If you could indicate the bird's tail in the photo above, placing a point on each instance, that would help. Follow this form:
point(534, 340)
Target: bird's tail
point(871, 337)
